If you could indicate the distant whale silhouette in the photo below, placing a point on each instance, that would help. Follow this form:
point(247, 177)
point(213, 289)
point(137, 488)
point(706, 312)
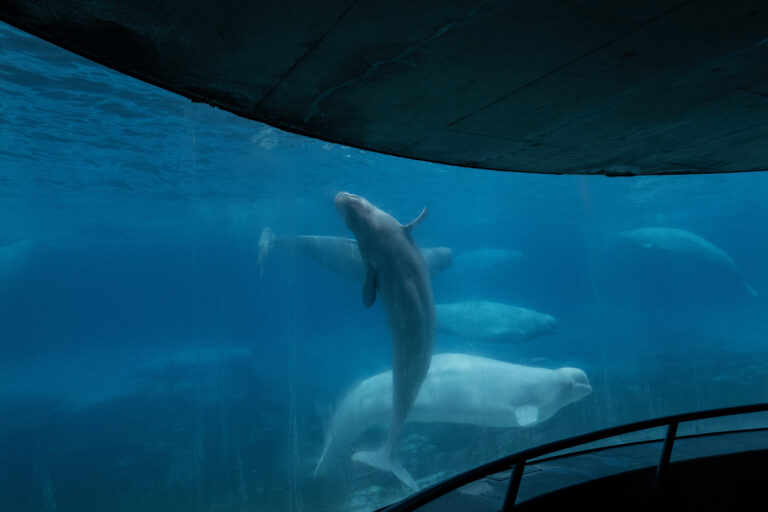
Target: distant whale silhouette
point(493, 321)
point(485, 258)
point(689, 244)
point(459, 388)
point(395, 269)
point(339, 254)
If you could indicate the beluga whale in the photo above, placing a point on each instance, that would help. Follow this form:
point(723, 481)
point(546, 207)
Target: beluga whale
point(689, 244)
point(461, 389)
point(486, 258)
point(338, 254)
point(493, 321)
point(394, 269)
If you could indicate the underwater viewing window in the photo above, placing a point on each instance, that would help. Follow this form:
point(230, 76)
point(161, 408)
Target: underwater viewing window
point(184, 320)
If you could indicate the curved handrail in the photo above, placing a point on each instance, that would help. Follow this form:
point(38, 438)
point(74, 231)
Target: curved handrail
point(520, 458)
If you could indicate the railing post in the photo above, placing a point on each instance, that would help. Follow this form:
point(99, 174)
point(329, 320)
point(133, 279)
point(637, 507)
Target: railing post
point(661, 469)
point(514, 486)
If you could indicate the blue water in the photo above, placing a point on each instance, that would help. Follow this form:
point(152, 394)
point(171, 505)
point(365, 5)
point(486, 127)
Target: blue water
point(147, 364)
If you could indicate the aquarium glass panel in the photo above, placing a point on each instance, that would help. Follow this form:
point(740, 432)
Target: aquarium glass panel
point(192, 318)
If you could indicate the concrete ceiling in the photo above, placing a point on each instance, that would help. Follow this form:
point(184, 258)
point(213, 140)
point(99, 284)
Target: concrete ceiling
point(555, 86)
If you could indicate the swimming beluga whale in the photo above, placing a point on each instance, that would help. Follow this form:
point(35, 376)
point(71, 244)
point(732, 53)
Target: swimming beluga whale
point(338, 254)
point(486, 258)
point(684, 242)
point(493, 321)
point(459, 388)
point(395, 269)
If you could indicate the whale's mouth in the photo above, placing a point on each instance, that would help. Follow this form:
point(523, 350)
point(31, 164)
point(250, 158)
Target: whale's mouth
point(343, 200)
point(552, 326)
point(345, 195)
point(582, 386)
point(340, 201)
point(584, 389)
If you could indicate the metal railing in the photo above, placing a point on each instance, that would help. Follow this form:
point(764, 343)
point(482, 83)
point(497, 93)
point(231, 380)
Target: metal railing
point(517, 461)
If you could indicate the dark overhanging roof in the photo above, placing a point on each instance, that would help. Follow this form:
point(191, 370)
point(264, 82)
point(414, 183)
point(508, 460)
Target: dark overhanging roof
point(571, 86)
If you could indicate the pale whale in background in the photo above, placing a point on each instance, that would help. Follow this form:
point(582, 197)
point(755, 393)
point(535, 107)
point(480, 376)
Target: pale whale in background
point(339, 254)
point(459, 388)
point(396, 270)
point(482, 259)
point(684, 242)
point(493, 321)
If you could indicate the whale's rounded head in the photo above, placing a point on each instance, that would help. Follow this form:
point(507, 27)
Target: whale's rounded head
point(576, 384)
point(550, 325)
point(443, 258)
point(355, 210)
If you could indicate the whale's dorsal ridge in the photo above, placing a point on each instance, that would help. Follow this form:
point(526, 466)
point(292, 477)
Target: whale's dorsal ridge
point(369, 287)
point(415, 222)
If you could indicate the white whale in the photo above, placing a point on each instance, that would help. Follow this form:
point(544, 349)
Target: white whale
point(493, 321)
point(396, 271)
point(684, 242)
point(459, 388)
point(485, 258)
point(338, 254)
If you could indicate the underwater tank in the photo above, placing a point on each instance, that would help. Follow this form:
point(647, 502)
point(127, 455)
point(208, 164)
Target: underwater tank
point(184, 320)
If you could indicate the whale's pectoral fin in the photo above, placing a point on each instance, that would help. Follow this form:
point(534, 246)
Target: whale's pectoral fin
point(526, 414)
point(381, 459)
point(415, 222)
point(369, 287)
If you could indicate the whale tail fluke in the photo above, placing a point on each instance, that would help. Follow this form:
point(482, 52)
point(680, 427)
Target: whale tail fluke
point(751, 290)
point(382, 459)
point(266, 242)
